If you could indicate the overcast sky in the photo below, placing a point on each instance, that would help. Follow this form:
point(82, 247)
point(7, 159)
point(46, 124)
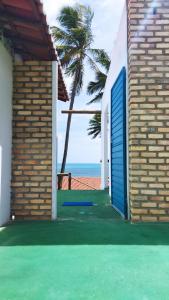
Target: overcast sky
point(82, 149)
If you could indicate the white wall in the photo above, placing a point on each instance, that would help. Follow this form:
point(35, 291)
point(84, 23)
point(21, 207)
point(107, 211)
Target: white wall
point(5, 132)
point(118, 60)
point(55, 80)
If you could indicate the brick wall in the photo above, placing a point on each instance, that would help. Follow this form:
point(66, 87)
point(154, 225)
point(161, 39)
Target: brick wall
point(148, 38)
point(32, 141)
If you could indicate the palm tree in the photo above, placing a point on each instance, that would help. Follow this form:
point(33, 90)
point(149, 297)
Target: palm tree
point(95, 126)
point(96, 88)
point(74, 39)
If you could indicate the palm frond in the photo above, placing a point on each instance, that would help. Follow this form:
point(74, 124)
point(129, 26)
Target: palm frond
point(92, 64)
point(98, 85)
point(69, 18)
point(62, 37)
point(80, 36)
point(101, 57)
point(72, 68)
point(96, 99)
point(67, 54)
point(86, 14)
point(94, 129)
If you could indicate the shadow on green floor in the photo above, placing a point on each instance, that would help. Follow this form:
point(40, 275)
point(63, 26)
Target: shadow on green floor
point(98, 225)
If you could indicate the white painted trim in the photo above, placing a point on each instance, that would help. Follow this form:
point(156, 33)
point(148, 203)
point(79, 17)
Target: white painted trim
point(127, 127)
point(110, 154)
point(0, 184)
point(104, 149)
point(119, 212)
point(127, 145)
point(54, 137)
point(6, 84)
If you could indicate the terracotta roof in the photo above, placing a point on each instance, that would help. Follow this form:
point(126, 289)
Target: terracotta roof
point(25, 24)
point(82, 183)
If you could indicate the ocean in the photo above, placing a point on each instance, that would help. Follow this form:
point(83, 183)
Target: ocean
point(83, 170)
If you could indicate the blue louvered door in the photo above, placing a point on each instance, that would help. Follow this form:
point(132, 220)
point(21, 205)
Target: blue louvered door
point(118, 144)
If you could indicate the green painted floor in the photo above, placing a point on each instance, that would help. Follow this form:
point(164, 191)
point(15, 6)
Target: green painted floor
point(89, 254)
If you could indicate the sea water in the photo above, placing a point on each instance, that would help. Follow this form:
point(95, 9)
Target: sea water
point(83, 170)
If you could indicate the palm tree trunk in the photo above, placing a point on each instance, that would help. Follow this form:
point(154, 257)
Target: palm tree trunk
point(69, 119)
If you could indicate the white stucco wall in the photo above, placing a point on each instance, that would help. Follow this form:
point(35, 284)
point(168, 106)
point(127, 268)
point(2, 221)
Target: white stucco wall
point(5, 132)
point(118, 60)
point(55, 80)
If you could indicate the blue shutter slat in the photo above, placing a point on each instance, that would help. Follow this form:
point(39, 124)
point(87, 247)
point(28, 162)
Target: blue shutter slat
point(118, 144)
